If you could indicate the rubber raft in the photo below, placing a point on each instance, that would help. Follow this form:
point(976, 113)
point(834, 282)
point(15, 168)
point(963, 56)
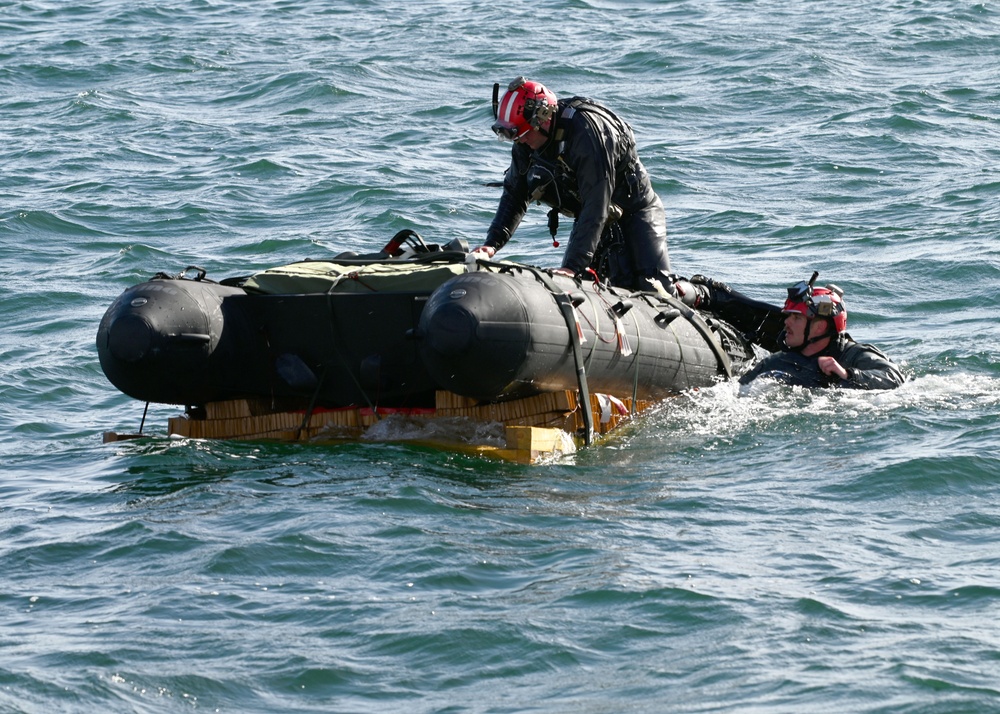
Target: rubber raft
point(434, 333)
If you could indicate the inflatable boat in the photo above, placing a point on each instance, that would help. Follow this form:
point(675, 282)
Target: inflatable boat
point(395, 330)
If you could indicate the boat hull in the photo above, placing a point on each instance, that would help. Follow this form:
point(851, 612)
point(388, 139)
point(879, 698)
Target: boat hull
point(497, 332)
point(491, 336)
point(193, 342)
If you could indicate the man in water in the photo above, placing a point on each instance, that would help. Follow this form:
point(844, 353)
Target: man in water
point(816, 350)
point(580, 158)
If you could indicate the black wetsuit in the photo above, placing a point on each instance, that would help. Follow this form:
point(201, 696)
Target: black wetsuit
point(589, 170)
point(867, 367)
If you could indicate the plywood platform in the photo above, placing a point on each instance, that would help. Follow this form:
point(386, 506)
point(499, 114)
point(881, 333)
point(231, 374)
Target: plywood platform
point(534, 428)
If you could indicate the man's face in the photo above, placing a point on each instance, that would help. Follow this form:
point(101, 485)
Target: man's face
point(795, 329)
point(798, 329)
point(534, 138)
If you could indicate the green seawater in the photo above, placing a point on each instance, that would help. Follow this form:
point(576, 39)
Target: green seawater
point(776, 551)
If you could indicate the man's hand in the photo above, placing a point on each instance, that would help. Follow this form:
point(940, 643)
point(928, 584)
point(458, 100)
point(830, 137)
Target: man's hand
point(563, 271)
point(831, 367)
point(485, 251)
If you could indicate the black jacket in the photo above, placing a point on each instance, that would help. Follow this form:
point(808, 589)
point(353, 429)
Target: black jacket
point(867, 367)
point(588, 170)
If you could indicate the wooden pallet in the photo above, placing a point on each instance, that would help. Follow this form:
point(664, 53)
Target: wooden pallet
point(534, 428)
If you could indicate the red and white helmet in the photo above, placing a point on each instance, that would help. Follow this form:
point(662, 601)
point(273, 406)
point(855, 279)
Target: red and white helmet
point(526, 105)
point(804, 299)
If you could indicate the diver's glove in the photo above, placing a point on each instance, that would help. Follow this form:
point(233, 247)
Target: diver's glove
point(691, 293)
point(711, 291)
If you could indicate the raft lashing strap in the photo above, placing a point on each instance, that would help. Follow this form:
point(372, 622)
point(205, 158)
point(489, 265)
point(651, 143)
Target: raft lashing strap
point(704, 329)
point(567, 307)
point(565, 302)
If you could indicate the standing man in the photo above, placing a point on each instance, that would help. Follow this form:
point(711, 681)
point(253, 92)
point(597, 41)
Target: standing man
point(580, 158)
point(816, 349)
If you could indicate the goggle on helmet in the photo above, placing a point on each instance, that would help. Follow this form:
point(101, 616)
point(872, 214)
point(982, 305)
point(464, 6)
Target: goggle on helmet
point(526, 105)
point(804, 299)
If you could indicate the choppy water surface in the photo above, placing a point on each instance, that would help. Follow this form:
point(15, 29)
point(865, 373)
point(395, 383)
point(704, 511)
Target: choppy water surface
point(779, 550)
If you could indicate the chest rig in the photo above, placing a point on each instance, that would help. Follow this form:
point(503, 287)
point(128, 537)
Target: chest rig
point(552, 181)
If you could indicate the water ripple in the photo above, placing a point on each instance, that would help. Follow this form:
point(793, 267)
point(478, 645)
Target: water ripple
point(767, 550)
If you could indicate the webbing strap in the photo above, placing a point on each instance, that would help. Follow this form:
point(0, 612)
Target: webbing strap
point(703, 328)
point(565, 303)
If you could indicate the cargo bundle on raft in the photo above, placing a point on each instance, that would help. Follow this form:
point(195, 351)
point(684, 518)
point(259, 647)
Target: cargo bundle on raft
point(328, 349)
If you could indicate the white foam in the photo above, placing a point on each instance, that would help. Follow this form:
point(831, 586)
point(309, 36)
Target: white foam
point(729, 408)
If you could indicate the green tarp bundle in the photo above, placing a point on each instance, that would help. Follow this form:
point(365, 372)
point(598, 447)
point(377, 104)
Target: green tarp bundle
point(323, 277)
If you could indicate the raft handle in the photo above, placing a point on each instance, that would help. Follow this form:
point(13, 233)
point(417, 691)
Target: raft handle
point(666, 317)
point(199, 273)
point(622, 306)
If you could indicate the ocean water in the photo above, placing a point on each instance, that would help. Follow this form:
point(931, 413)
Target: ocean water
point(776, 551)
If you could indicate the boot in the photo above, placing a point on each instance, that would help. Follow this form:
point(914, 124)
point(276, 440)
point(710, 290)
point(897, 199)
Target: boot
point(691, 294)
point(714, 291)
point(760, 322)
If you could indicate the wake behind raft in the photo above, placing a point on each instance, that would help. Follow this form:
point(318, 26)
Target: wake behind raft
point(327, 348)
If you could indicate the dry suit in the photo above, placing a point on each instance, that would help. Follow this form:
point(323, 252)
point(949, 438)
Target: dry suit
point(590, 171)
point(867, 367)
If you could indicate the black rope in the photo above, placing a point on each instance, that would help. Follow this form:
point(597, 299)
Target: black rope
point(343, 360)
point(312, 407)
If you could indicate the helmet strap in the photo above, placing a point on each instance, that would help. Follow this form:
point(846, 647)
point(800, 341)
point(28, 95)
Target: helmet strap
point(831, 333)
